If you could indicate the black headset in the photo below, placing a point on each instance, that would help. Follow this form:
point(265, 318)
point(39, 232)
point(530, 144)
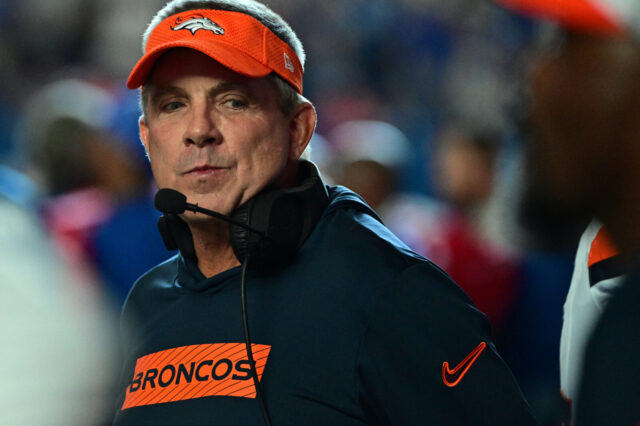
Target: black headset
point(270, 227)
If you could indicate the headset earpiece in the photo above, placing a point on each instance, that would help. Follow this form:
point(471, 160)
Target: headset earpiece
point(176, 235)
point(286, 216)
point(280, 216)
point(281, 220)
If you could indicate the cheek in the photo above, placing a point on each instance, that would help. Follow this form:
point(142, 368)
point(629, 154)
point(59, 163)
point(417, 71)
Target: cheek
point(161, 154)
point(157, 167)
point(269, 150)
point(268, 160)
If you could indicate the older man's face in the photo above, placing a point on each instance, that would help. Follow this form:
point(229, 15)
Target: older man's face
point(579, 120)
point(214, 135)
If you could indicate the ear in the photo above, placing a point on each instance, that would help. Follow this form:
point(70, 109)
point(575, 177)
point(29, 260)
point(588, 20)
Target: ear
point(144, 133)
point(301, 127)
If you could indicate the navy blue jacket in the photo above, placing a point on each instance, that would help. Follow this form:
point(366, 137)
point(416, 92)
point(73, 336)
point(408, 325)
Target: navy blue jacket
point(356, 330)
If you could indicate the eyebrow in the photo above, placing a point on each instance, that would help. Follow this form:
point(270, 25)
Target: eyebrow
point(228, 86)
point(224, 86)
point(157, 92)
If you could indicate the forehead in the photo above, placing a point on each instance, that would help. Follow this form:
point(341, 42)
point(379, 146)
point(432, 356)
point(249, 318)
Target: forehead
point(181, 65)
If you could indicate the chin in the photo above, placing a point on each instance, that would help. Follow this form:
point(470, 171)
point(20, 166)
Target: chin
point(220, 203)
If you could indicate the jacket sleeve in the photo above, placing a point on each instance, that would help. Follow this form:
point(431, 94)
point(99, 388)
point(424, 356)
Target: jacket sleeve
point(609, 391)
point(427, 358)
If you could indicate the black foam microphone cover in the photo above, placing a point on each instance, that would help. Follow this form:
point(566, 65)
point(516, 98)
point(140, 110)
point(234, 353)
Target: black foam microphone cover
point(170, 201)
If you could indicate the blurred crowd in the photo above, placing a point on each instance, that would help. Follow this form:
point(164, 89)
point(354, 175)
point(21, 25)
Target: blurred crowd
point(417, 103)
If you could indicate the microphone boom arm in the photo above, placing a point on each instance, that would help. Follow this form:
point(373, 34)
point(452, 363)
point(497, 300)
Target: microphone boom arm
point(197, 209)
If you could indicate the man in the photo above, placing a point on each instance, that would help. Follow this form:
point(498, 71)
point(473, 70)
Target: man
point(585, 100)
point(351, 328)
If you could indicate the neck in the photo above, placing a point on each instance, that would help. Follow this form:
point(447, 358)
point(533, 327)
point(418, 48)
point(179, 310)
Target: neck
point(211, 243)
point(211, 236)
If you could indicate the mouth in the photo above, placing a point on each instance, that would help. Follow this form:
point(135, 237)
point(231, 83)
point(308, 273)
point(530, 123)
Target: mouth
point(205, 170)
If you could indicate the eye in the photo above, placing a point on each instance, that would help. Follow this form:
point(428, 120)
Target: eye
point(171, 106)
point(235, 103)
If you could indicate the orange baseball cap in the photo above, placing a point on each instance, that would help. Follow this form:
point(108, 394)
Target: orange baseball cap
point(599, 16)
point(236, 40)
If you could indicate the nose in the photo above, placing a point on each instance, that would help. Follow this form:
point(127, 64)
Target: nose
point(201, 129)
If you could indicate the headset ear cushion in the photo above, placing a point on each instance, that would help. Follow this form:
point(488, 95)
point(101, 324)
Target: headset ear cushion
point(284, 218)
point(240, 237)
point(166, 233)
point(176, 235)
point(276, 214)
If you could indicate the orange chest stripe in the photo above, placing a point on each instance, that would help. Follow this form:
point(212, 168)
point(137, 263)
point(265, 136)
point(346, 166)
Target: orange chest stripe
point(195, 371)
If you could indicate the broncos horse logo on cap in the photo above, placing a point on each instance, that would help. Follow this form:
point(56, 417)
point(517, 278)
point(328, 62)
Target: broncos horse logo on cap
point(194, 23)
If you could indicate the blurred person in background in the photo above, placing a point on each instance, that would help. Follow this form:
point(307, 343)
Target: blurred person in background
point(93, 181)
point(58, 356)
point(370, 154)
point(369, 158)
point(127, 243)
point(58, 331)
point(465, 167)
point(583, 160)
point(79, 169)
point(598, 272)
point(453, 233)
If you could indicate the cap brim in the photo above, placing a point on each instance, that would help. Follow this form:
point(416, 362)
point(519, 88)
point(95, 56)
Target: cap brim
point(576, 14)
point(228, 56)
